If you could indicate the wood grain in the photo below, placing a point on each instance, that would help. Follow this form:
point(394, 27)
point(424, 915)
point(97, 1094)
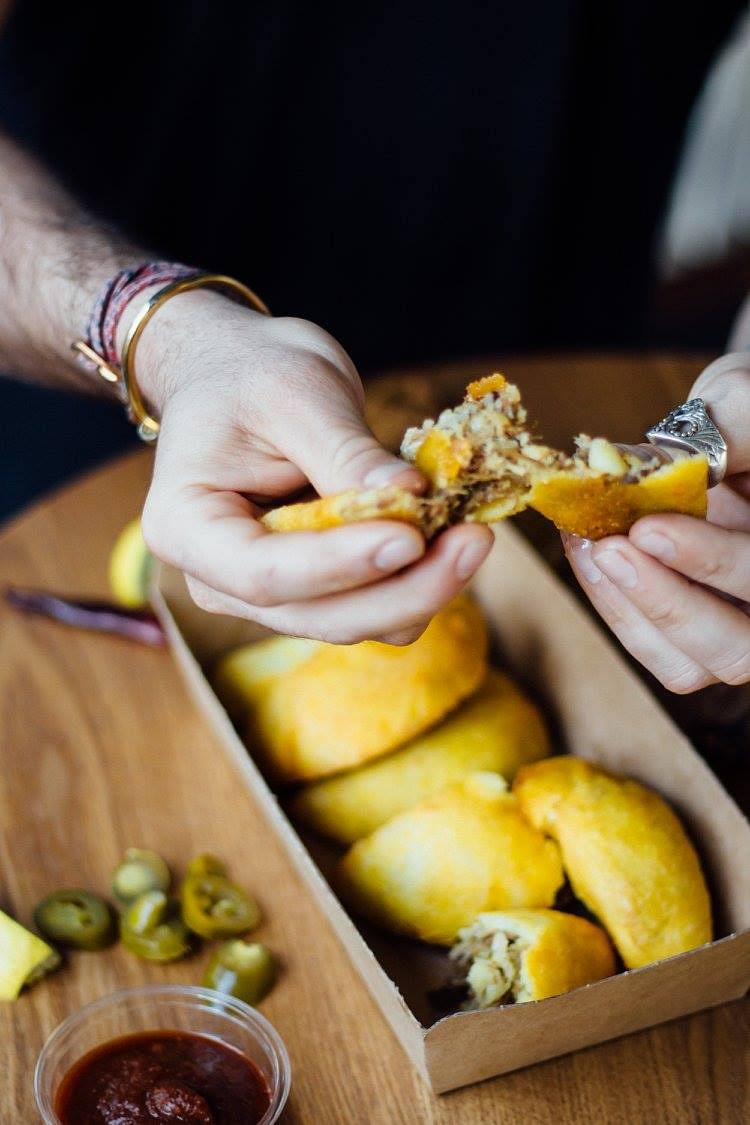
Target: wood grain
point(101, 749)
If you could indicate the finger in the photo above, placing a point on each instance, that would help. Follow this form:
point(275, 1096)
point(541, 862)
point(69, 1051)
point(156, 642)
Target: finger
point(403, 636)
point(395, 612)
point(724, 386)
point(213, 537)
point(740, 335)
point(702, 551)
point(706, 629)
point(728, 508)
point(342, 453)
point(211, 600)
point(322, 430)
point(402, 604)
point(673, 668)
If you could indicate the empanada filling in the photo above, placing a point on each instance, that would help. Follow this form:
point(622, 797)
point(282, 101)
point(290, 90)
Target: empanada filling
point(483, 452)
point(490, 963)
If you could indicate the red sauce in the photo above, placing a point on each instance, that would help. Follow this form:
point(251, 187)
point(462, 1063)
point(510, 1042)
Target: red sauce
point(163, 1076)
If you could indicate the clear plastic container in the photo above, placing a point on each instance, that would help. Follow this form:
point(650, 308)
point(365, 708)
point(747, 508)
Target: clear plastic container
point(164, 1008)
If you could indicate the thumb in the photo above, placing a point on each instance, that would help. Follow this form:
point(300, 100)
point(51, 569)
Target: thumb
point(724, 386)
point(336, 450)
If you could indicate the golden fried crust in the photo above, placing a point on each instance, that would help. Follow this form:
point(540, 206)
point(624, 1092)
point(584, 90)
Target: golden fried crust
point(348, 704)
point(239, 677)
point(428, 872)
point(561, 951)
point(626, 854)
point(389, 503)
point(566, 952)
point(496, 729)
point(595, 506)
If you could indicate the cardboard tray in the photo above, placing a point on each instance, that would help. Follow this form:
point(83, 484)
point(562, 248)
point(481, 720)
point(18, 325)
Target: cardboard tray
point(603, 712)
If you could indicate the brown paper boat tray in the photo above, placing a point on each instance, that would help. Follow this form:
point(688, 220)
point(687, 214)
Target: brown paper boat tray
point(602, 711)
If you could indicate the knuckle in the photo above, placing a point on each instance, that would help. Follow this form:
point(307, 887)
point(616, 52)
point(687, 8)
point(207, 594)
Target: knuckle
point(354, 451)
point(310, 337)
point(261, 588)
point(342, 633)
point(727, 374)
point(206, 599)
point(666, 614)
point(684, 681)
point(165, 536)
point(737, 672)
point(404, 637)
point(713, 570)
point(154, 530)
point(297, 326)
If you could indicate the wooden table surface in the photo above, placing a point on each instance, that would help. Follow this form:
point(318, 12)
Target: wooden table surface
point(101, 749)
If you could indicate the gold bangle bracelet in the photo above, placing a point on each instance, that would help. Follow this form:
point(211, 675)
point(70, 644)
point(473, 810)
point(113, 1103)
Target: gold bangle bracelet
point(148, 427)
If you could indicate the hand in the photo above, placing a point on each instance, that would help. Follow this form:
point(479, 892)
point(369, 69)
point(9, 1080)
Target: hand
point(676, 590)
point(252, 408)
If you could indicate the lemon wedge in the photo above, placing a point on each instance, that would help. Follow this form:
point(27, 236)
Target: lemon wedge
point(24, 957)
point(130, 567)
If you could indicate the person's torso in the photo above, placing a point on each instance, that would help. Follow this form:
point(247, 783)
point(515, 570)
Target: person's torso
point(423, 179)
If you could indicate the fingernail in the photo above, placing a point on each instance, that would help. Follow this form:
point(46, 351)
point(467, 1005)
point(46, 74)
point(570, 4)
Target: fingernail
point(383, 473)
point(470, 558)
point(656, 544)
point(398, 552)
point(579, 551)
point(617, 568)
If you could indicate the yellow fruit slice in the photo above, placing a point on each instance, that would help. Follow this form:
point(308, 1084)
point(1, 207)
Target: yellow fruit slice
point(24, 957)
point(130, 567)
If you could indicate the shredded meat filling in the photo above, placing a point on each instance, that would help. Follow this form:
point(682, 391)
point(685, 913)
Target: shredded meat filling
point(500, 460)
point(489, 963)
point(504, 457)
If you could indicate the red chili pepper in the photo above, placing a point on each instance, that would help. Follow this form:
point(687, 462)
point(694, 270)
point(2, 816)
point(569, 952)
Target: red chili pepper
point(97, 616)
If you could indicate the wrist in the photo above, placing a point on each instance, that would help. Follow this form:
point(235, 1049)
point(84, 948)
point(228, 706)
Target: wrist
point(181, 341)
point(100, 262)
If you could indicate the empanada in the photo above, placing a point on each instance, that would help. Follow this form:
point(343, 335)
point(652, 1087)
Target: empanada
point(521, 955)
point(241, 676)
point(496, 729)
point(626, 855)
point(432, 869)
point(313, 709)
point(484, 464)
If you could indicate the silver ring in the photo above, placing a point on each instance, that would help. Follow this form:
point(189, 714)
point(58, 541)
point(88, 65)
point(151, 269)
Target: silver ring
point(689, 427)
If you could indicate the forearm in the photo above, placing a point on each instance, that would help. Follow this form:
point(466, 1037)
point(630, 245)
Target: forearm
point(53, 262)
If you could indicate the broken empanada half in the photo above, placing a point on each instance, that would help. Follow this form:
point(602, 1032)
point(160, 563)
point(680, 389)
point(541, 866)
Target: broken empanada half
point(484, 464)
point(521, 955)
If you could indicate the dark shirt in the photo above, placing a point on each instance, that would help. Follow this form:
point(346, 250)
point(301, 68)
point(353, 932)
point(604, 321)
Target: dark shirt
point(425, 180)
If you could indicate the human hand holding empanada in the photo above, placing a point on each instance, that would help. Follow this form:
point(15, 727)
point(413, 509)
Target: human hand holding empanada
point(675, 589)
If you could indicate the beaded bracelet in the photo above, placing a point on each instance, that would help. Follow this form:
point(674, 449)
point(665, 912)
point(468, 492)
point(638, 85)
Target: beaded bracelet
point(99, 347)
point(101, 330)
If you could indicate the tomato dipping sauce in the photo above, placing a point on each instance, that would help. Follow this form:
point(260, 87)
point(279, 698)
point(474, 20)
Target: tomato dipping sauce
point(163, 1077)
